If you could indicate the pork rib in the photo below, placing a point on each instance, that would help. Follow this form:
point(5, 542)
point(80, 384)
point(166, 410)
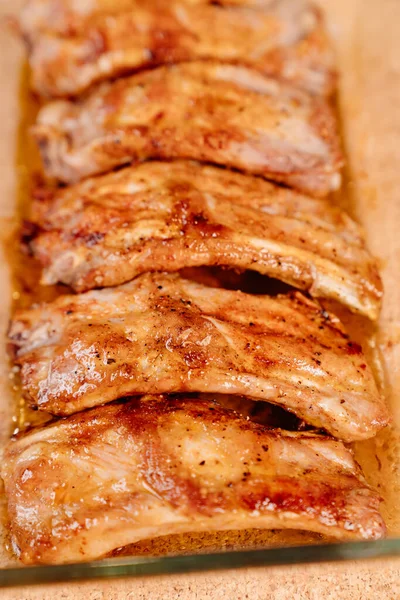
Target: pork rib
point(211, 112)
point(120, 473)
point(75, 44)
point(168, 216)
point(163, 334)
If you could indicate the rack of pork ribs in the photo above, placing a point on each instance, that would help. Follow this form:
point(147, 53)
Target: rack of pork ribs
point(189, 136)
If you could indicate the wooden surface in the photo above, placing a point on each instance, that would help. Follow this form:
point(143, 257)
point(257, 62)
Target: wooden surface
point(367, 36)
point(353, 581)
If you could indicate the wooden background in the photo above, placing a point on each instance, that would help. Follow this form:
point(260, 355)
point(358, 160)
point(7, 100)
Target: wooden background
point(367, 37)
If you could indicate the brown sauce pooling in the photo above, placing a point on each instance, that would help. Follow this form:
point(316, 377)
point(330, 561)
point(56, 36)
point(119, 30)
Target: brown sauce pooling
point(25, 270)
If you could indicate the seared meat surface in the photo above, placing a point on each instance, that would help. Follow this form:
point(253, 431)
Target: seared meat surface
point(120, 473)
point(168, 216)
point(198, 140)
point(211, 112)
point(163, 334)
point(74, 44)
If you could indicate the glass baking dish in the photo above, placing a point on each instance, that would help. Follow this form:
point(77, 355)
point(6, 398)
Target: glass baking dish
point(367, 46)
point(196, 563)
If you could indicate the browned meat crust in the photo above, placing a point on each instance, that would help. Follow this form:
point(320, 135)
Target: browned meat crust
point(162, 334)
point(102, 479)
point(206, 111)
point(75, 44)
point(168, 216)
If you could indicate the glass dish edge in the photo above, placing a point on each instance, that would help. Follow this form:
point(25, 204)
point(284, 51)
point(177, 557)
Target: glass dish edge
point(195, 563)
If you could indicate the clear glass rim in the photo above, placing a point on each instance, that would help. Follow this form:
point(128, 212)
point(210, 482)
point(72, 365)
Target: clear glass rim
point(194, 563)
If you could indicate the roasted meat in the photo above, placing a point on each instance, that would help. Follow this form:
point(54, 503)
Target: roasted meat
point(74, 44)
point(168, 216)
point(120, 473)
point(163, 334)
point(206, 111)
